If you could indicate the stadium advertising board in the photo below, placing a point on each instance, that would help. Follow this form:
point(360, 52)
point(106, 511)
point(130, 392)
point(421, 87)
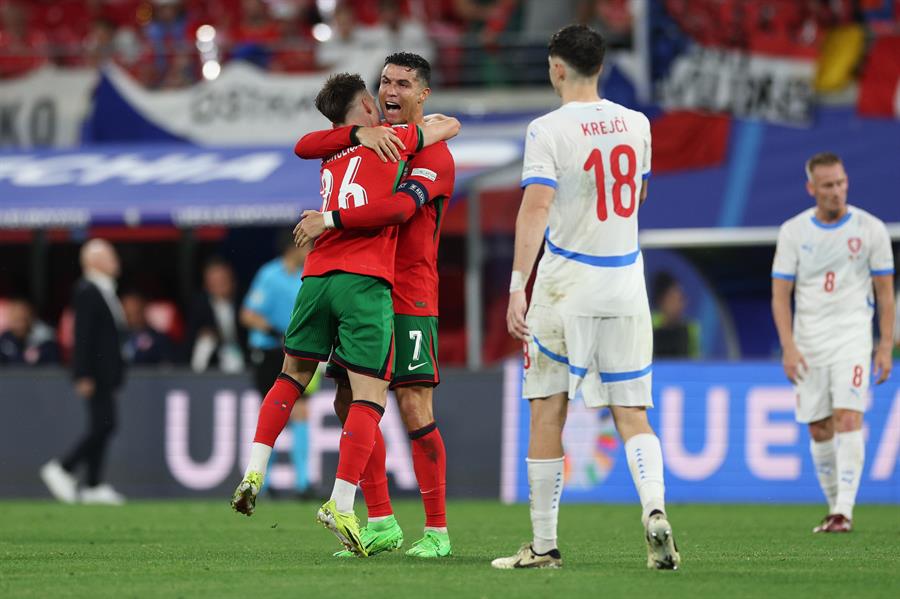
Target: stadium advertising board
point(728, 435)
point(185, 435)
point(778, 90)
point(45, 108)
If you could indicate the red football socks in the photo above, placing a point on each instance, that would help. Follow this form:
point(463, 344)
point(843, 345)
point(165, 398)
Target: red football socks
point(358, 439)
point(374, 483)
point(430, 464)
point(276, 409)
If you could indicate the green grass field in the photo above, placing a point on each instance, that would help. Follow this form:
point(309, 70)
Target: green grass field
point(201, 549)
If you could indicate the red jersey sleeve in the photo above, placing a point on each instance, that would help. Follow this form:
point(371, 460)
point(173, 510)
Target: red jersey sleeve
point(432, 175)
point(321, 144)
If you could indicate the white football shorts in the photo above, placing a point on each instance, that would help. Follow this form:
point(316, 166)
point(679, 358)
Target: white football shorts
point(842, 385)
point(608, 358)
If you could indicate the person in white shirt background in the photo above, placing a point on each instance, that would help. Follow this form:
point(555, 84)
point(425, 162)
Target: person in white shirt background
point(836, 261)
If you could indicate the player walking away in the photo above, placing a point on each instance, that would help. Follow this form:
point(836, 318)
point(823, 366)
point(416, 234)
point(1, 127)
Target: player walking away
point(402, 93)
point(343, 310)
point(830, 256)
point(588, 327)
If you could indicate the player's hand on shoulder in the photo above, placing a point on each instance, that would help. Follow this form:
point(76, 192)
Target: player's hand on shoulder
point(794, 364)
point(883, 363)
point(383, 141)
point(515, 316)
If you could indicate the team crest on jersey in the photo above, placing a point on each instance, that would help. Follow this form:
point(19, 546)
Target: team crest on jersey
point(855, 244)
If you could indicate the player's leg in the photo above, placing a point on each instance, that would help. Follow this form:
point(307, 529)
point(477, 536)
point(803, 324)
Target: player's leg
point(364, 346)
point(814, 409)
point(307, 342)
point(415, 376)
point(849, 387)
point(546, 386)
point(382, 531)
point(274, 414)
point(624, 357)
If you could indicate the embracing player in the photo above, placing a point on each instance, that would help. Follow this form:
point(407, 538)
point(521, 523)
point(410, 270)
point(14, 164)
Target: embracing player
point(430, 176)
point(588, 327)
point(830, 257)
point(343, 311)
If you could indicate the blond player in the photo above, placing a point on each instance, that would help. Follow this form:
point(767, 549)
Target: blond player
point(585, 174)
point(831, 256)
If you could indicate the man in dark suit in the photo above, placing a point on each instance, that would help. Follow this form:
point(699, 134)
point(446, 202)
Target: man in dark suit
point(98, 372)
point(216, 337)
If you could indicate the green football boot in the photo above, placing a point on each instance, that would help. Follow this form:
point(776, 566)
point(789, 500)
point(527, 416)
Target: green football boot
point(378, 537)
point(244, 499)
point(433, 544)
point(345, 526)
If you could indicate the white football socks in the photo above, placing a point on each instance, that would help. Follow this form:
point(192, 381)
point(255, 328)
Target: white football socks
point(825, 462)
point(851, 455)
point(545, 480)
point(343, 494)
point(645, 461)
point(259, 459)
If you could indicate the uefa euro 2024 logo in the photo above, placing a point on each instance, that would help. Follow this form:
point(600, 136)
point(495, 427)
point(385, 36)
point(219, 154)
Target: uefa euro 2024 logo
point(591, 445)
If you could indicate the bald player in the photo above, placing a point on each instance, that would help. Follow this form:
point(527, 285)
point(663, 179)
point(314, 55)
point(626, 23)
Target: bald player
point(98, 371)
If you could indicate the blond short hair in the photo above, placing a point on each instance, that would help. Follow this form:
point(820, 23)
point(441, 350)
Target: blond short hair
point(821, 159)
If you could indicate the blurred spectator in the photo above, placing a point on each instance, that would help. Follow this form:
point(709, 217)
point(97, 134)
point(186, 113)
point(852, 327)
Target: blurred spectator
point(255, 34)
point(144, 345)
point(27, 341)
point(395, 32)
point(351, 47)
point(105, 42)
point(99, 371)
point(172, 57)
point(486, 22)
point(216, 338)
point(612, 18)
point(296, 52)
point(22, 48)
point(673, 335)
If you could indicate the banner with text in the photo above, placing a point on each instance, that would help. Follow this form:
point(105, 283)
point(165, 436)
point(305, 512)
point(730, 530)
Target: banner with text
point(728, 434)
point(243, 106)
point(745, 85)
point(45, 108)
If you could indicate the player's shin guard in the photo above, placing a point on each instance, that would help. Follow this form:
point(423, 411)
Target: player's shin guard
point(374, 483)
point(646, 464)
point(430, 464)
point(357, 442)
point(825, 462)
point(851, 454)
point(273, 416)
point(545, 480)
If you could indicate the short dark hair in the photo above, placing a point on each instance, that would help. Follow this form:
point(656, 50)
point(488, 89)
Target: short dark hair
point(411, 61)
point(581, 47)
point(336, 96)
point(821, 159)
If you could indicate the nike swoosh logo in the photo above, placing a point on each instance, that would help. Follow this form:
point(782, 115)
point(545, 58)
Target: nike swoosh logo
point(417, 366)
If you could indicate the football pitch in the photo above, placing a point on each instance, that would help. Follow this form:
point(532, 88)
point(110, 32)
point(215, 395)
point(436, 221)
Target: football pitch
point(202, 549)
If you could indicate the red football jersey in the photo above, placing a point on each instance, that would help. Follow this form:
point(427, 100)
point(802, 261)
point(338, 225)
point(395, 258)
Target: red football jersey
point(350, 178)
point(416, 274)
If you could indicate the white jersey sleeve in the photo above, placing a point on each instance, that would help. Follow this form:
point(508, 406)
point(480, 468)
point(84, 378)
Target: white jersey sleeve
point(540, 157)
point(881, 258)
point(785, 263)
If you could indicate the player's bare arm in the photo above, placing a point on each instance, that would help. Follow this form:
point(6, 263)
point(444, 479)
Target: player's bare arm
point(792, 360)
point(884, 299)
point(530, 225)
point(644, 187)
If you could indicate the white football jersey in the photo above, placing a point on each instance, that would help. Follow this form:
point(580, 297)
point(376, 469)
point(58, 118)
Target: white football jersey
point(832, 267)
point(596, 156)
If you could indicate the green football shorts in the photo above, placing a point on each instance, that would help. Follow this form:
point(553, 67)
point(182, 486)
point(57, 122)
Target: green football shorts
point(346, 317)
point(416, 361)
